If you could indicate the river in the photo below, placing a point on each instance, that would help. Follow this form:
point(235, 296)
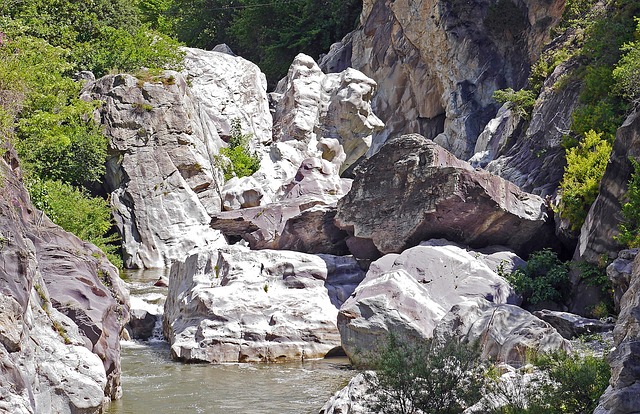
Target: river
point(154, 384)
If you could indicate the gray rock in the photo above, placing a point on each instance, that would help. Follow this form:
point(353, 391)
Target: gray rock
point(619, 273)
point(422, 191)
point(570, 325)
point(160, 170)
point(351, 399)
point(141, 324)
point(408, 294)
point(63, 307)
point(413, 51)
point(506, 332)
point(535, 162)
point(237, 305)
point(623, 394)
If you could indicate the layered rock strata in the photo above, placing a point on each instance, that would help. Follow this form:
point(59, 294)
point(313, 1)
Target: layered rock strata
point(420, 191)
point(62, 309)
point(236, 305)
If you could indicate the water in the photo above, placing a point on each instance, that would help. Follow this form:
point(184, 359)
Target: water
point(155, 384)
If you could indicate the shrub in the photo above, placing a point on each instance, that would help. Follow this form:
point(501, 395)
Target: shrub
point(630, 227)
point(74, 210)
point(543, 278)
point(431, 377)
point(579, 186)
point(236, 160)
point(522, 101)
point(627, 72)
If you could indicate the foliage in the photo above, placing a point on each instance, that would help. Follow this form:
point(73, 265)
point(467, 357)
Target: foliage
point(236, 160)
point(627, 72)
point(630, 227)
point(586, 164)
point(578, 382)
point(427, 377)
point(521, 101)
point(543, 278)
point(74, 210)
point(564, 383)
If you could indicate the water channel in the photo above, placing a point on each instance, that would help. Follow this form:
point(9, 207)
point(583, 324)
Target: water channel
point(154, 384)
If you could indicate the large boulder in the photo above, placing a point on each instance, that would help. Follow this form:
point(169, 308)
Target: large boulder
point(62, 309)
point(236, 305)
point(408, 294)
point(160, 170)
point(437, 63)
point(421, 191)
point(352, 399)
point(623, 394)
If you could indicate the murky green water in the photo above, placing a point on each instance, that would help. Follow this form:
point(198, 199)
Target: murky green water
point(154, 384)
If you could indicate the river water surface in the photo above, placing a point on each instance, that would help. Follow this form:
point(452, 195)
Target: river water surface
point(154, 384)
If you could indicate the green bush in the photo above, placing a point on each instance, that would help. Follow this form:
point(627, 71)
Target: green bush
point(236, 160)
point(427, 376)
point(627, 72)
point(565, 383)
point(579, 186)
point(630, 227)
point(521, 102)
point(74, 210)
point(543, 278)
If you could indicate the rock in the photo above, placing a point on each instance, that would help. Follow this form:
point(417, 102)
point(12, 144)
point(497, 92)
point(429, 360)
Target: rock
point(408, 294)
point(413, 51)
point(535, 162)
point(160, 173)
point(226, 87)
point(351, 399)
point(302, 220)
point(623, 394)
point(570, 326)
point(506, 332)
point(619, 273)
point(597, 235)
point(141, 324)
point(63, 307)
point(223, 48)
point(422, 191)
point(496, 136)
point(236, 305)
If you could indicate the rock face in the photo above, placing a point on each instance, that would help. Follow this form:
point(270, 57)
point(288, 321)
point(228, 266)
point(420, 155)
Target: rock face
point(601, 225)
point(619, 273)
point(408, 294)
point(236, 305)
point(160, 171)
point(413, 49)
point(421, 191)
point(535, 160)
point(506, 332)
point(62, 308)
point(623, 394)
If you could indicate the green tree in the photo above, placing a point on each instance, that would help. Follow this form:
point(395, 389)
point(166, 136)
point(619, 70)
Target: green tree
point(627, 72)
point(630, 227)
point(585, 167)
point(543, 278)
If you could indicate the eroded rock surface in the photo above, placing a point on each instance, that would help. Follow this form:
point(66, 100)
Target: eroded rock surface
point(408, 294)
point(236, 305)
point(62, 306)
point(418, 190)
point(437, 63)
point(623, 394)
point(352, 399)
point(160, 170)
point(570, 325)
